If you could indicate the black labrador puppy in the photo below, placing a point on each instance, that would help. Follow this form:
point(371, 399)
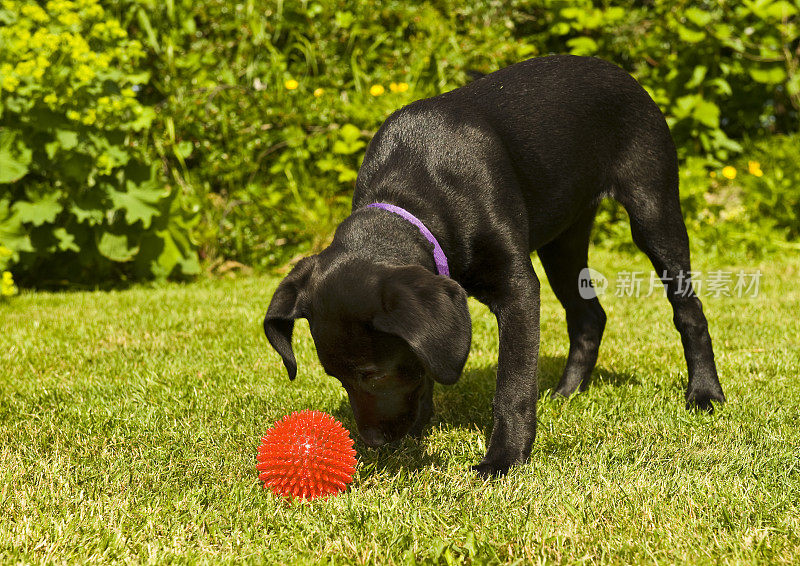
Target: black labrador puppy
point(464, 187)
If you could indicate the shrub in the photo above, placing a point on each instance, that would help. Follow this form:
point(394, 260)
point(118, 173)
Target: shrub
point(719, 70)
point(79, 201)
point(264, 107)
point(259, 111)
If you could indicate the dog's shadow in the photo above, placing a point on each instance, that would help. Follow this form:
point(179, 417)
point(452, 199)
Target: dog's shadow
point(465, 405)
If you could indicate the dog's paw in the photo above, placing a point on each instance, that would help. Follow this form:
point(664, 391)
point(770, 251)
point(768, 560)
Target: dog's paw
point(487, 470)
point(498, 465)
point(704, 398)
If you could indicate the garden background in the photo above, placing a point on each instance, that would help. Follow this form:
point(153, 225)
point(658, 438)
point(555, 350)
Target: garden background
point(148, 139)
point(164, 162)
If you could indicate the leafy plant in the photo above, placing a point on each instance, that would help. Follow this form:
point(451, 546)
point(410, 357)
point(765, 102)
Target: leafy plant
point(719, 70)
point(254, 115)
point(79, 199)
point(265, 107)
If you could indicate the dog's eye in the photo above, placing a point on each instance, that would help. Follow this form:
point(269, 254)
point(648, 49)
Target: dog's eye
point(370, 375)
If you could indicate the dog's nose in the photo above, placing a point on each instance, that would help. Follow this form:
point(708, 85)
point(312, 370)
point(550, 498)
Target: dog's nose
point(372, 437)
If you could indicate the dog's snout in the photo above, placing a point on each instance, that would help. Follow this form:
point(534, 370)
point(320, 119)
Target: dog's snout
point(373, 437)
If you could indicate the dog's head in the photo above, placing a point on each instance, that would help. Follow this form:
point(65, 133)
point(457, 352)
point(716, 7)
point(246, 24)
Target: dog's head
point(386, 332)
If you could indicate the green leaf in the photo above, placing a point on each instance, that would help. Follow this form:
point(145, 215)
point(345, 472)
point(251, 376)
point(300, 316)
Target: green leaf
point(327, 163)
point(13, 234)
point(349, 133)
point(706, 113)
point(582, 46)
point(143, 120)
point(343, 19)
point(698, 75)
point(15, 156)
point(772, 75)
point(65, 140)
point(698, 17)
point(144, 21)
point(115, 247)
point(781, 9)
point(42, 210)
point(89, 206)
point(683, 106)
point(722, 86)
point(66, 241)
point(346, 175)
point(68, 139)
point(560, 28)
point(793, 84)
point(690, 35)
point(139, 202)
point(614, 13)
point(349, 140)
point(166, 251)
point(771, 11)
point(184, 149)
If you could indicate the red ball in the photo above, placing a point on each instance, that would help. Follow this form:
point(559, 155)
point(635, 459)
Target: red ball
point(306, 454)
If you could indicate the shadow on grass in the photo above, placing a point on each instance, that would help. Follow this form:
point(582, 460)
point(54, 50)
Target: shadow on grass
point(465, 405)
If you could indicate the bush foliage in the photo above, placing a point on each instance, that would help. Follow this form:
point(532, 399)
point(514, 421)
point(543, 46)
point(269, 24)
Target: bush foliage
point(80, 199)
point(261, 109)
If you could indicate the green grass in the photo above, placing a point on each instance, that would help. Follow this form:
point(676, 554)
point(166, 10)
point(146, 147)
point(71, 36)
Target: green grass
point(129, 423)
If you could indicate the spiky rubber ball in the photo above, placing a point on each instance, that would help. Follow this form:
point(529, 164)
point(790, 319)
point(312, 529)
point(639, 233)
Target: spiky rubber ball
point(306, 454)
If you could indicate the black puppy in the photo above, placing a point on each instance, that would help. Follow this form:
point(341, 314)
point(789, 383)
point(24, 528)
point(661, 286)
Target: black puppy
point(514, 162)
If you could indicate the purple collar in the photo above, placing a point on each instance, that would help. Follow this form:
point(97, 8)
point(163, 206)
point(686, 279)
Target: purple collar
point(438, 253)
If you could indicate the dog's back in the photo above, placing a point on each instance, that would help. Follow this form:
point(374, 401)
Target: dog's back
point(560, 129)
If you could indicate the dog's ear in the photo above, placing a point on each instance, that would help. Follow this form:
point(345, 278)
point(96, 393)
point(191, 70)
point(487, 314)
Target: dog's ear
point(430, 313)
point(288, 303)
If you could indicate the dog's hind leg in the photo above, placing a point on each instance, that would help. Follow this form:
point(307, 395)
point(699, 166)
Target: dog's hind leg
point(652, 202)
point(563, 259)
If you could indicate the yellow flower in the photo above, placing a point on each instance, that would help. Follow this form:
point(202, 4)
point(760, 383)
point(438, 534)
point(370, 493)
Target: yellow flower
point(7, 287)
point(729, 172)
point(291, 84)
point(754, 167)
point(90, 117)
point(104, 163)
point(319, 92)
point(69, 19)
point(393, 87)
point(25, 68)
point(102, 60)
point(84, 73)
point(35, 13)
point(712, 174)
point(376, 90)
point(402, 87)
point(50, 99)
point(9, 83)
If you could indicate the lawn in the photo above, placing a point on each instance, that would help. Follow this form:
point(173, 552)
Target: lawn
point(129, 422)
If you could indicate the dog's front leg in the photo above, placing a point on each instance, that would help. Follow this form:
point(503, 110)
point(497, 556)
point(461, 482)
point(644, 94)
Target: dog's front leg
point(517, 391)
